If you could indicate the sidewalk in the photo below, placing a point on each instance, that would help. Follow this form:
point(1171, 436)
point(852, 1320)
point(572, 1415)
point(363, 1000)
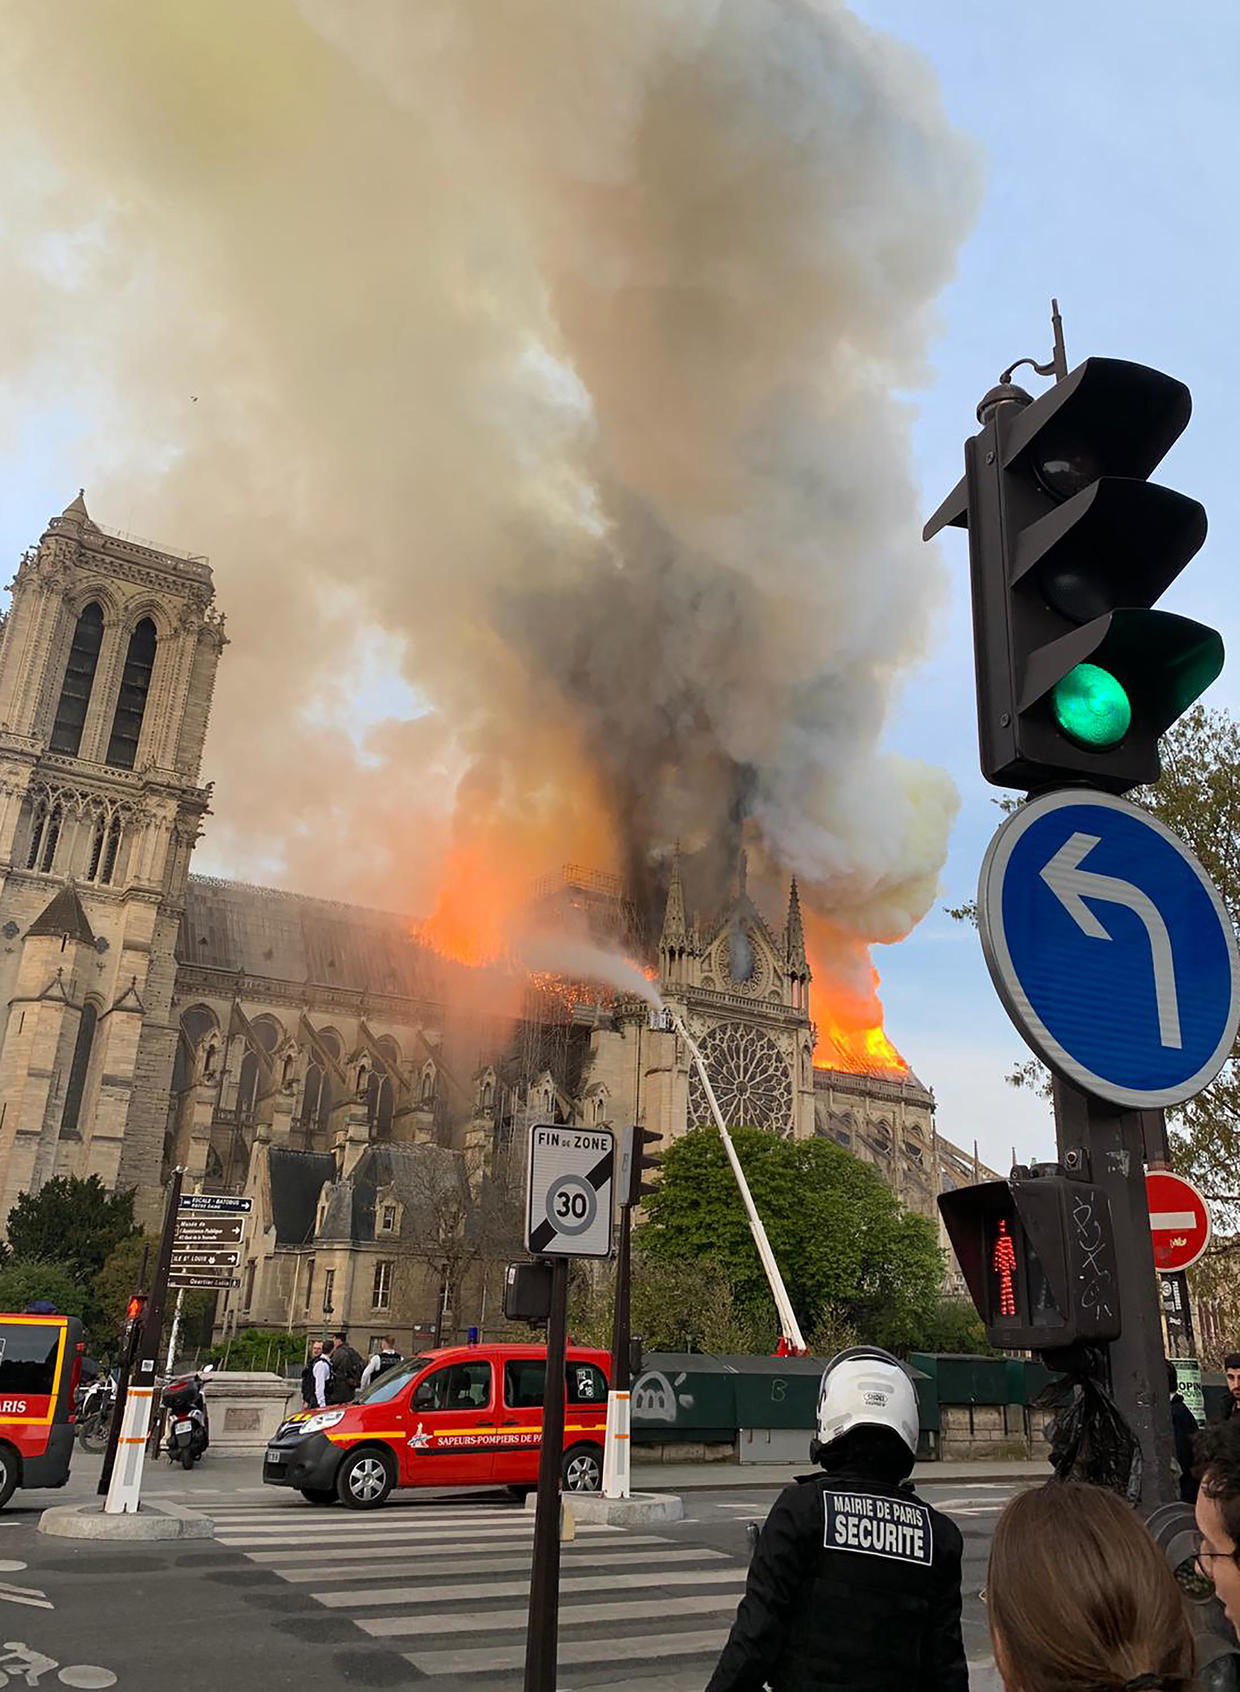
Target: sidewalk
point(699, 1477)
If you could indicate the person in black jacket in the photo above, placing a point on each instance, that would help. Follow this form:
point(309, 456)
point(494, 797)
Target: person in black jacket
point(855, 1583)
point(1183, 1433)
point(308, 1397)
point(1231, 1369)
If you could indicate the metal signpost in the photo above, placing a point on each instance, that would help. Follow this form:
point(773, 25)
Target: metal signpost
point(206, 1252)
point(570, 1202)
point(1113, 954)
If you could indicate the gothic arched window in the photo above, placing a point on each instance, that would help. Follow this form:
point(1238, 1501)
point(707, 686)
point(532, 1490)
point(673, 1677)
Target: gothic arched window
point(247, 1087)
point(310, 1096)
point(131, 702)
point(79, 679)
point(104, 850)
point(77, 1069)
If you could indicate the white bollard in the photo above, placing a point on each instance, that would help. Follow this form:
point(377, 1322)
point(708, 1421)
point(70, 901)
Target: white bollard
point(125, 1487)
point(616, 1444)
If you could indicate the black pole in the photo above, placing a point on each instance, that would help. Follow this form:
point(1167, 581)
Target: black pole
point(153, 1319)
point(541, 1640)
point(1110, 1143)
point(621, 1379)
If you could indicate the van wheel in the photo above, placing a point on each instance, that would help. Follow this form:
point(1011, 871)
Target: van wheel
point(365, 1479)
point(9, 1472)
point(318, 1495)
point(583, 1468)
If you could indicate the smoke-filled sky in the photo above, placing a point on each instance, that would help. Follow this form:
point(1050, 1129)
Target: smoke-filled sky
point(543, 352)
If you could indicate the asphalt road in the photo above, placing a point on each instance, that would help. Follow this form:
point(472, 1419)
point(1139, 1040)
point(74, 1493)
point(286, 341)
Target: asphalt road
point(429, 1591)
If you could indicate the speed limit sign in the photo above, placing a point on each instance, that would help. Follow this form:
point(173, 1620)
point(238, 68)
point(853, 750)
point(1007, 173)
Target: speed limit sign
point(570, 1191)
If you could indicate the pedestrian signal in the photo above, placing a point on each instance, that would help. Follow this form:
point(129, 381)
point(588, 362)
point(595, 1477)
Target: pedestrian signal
point(1038, 1256)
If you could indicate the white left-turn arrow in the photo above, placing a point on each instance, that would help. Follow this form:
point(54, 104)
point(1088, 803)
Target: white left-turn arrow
point(1072, 885)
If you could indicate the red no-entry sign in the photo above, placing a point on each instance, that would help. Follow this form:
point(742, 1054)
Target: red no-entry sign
point(1179, 1220)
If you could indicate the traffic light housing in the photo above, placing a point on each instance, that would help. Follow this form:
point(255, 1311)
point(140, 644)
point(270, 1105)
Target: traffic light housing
point(527, 1293)
point(1038, 1256)
point(636, 1163)
point(135, 1311)
point(1070, 545)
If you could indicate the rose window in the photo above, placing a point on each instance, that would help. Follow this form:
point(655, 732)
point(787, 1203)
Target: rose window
point(750, 1076)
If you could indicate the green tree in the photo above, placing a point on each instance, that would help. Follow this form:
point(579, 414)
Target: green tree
point(27, 1278)
point(260, 1348)
point(71, 1221)
point(844, 1243)
point(955, 1326)
point(676, 1304)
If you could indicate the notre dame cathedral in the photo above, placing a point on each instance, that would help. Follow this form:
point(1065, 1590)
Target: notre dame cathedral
point(314, 1054)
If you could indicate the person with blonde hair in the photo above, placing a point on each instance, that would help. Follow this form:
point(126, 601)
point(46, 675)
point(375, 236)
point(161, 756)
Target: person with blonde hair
point(1080, 1598)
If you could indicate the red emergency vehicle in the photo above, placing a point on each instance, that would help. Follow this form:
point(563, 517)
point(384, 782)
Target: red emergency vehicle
point(462, 1416)
point(40, 1362)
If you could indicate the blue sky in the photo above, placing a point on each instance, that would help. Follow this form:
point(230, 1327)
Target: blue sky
point(1107, 135)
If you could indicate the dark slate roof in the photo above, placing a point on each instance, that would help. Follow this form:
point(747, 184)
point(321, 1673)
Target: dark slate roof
point(416, 1173)
point(263, 931)
point(64, 916)
point(296, 1181)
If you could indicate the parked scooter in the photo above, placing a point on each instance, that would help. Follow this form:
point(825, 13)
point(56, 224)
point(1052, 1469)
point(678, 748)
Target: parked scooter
point(94, 1407)
point(187, 1433)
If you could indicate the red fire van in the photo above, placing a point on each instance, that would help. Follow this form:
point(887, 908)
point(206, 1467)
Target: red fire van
point(40, 1361)
point(462, 1416)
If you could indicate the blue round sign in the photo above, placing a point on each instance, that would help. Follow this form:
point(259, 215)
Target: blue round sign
point(1110, 948)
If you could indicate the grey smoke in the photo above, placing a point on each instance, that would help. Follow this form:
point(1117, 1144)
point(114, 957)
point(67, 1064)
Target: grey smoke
point(559, 341)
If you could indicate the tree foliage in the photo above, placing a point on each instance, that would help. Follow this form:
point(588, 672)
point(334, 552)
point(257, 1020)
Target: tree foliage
point(676, 1304)
point(954, 1326)
point(846, 1248)
point(71, 1221)
point(28, 1278)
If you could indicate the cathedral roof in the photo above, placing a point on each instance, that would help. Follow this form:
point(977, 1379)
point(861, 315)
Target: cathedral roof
point(289, 937)
point(425, 1179)
point(63, 918)
point(297, 1179)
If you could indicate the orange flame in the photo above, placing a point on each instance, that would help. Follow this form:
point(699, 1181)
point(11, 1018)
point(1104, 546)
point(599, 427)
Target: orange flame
point(845, 1005)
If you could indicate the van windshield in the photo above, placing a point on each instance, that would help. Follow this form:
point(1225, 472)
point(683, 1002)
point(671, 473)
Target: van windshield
point(28, 1354)
point(392, 1382)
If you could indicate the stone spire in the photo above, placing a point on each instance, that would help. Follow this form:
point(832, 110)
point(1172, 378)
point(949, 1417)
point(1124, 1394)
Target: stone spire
point(794, 935)
point(77, 507)
point(675, 930)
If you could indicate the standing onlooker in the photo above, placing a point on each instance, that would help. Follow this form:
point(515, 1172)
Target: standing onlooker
point(347, 1368)
point(1231, 1368)
point(1183, 1432)
point(854, 1583)
point(307, 1376)
point(387, 1357)
point(321, 1377)
point(1218, 1511)
point(1080, 1597)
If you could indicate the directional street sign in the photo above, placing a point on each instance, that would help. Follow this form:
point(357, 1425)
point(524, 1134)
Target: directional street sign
point(1110, 948)
point(193, 1233)
point(203, 1260)
point(1179, 1220)
point(570, 1191)
point(191, 1280)
point(216, 1204)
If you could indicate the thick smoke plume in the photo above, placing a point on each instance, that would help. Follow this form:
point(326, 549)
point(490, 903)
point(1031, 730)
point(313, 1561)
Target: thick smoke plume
point(554, 339)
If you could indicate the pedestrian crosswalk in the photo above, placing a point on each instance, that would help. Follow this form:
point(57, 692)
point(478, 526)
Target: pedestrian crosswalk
point(445, 1585)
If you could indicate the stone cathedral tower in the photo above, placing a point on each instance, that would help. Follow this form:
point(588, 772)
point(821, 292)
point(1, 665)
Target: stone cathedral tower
point(107, 667)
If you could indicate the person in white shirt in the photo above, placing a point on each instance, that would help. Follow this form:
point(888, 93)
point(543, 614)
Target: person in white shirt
point(322, 1372)
point(387, 1357)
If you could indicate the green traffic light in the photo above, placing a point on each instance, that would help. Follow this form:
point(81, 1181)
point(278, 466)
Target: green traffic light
point(1091, 707)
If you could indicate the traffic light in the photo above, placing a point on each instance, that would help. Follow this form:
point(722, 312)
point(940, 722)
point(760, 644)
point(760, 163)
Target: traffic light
point(527, 1292)
point(635, 1163)
point(134, 1311)
point(1070, 545)
point(1038, 1257)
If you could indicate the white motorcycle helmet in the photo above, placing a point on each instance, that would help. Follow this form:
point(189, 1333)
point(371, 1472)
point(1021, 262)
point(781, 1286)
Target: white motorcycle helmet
point(865, 1387)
